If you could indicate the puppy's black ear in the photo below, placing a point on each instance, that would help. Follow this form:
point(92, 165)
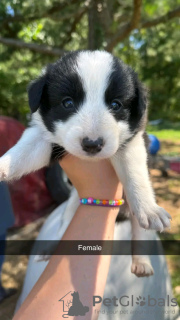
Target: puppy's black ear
point(142, 93)
point(139, 103)
point(35, 90)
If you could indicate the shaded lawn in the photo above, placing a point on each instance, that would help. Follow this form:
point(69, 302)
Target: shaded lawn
point(165, 131)
point(167, 192)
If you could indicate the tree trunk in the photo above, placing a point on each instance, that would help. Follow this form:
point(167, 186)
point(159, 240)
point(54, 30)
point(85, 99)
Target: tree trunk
point(95, 35)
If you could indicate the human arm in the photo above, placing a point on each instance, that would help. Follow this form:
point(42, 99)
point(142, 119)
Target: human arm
point(86, 274)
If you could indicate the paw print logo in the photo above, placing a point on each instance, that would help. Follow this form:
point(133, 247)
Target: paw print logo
point(141, 301)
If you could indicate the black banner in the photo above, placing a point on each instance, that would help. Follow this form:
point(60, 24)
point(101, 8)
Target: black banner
point(116, 247)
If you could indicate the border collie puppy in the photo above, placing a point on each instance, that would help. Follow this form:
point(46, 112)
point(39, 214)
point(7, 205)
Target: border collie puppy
point(93, 106)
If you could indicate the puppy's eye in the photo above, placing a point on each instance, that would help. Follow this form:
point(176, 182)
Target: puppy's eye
point(68, 103)
point(116, 105)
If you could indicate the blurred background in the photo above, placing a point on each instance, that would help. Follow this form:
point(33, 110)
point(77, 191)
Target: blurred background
point(144, 34)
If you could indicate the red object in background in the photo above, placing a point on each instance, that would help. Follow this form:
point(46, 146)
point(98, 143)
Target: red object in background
point(175, 166)
point(30, 196)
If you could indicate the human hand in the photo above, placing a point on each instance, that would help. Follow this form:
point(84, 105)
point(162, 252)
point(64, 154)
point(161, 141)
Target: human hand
point(95, 179)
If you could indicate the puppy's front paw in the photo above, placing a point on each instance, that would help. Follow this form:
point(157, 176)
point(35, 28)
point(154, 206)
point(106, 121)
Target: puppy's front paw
point(4, 168)
point(156, 219)
point(3, 173)
point(141, 267)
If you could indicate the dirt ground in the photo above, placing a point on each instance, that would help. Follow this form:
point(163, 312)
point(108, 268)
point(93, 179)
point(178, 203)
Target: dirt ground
point(168, 196)
point(14, 268)
point(167, 192)
point(169, 147)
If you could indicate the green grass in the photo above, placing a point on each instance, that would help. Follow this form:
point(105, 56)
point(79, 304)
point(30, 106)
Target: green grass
point(172, 154)
point(165, 130)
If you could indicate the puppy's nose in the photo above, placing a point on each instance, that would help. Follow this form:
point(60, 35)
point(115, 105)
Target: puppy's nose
point(92, 146)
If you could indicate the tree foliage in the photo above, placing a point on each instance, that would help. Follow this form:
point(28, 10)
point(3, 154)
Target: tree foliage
point(143, 34)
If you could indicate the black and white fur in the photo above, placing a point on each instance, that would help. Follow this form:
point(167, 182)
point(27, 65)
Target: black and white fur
point(93, 80)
